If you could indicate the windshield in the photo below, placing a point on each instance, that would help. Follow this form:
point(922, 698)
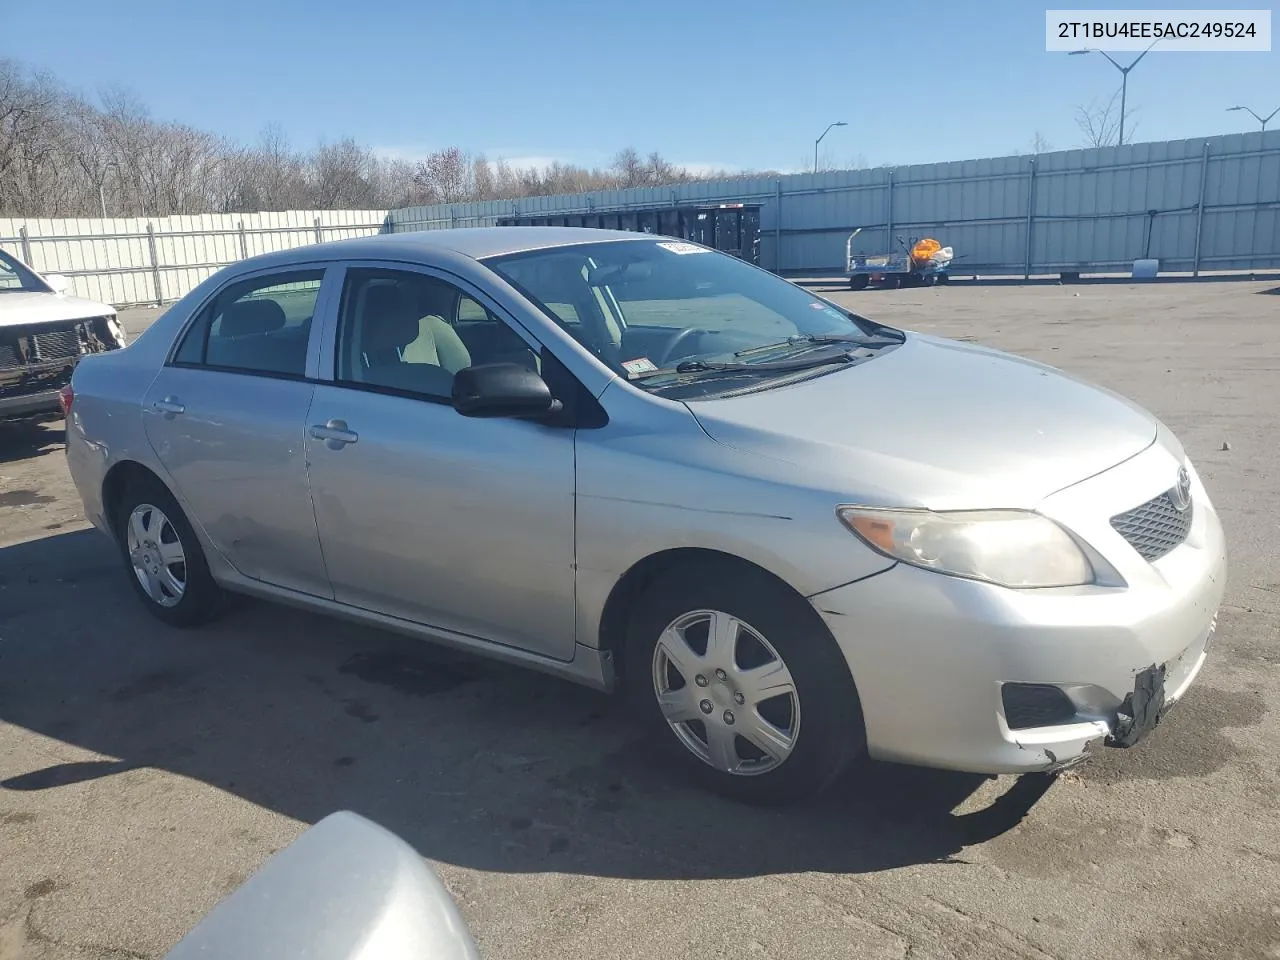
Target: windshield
point(15, 276)
point(674, 316)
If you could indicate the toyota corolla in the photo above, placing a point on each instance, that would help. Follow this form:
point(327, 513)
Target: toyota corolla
point(792, 534)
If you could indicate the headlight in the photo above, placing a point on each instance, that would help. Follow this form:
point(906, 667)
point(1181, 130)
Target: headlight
point(1013, 548)
point(117, 331)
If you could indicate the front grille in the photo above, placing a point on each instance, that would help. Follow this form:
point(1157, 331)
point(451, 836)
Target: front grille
point(57, 344)
point(37, 345)
point(1155, 527)
point(1029, 705)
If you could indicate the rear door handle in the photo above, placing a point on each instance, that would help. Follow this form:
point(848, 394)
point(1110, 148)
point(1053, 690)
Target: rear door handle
point(334, 434)
point(169, 407)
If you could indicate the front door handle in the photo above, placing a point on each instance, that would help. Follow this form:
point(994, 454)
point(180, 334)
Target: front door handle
point(169, 407)
point(334, 434)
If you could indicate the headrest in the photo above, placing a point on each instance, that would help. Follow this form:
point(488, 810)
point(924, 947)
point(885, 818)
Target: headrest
point(390, 318)
point(251, 316)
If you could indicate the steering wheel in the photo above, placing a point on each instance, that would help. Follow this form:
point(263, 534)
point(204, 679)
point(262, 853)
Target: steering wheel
point(687, 334)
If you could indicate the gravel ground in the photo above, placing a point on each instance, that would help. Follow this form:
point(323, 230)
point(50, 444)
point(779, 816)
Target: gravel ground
point(144, 773)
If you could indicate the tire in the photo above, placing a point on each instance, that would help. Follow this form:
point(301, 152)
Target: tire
point(149, 523)
point(820, 717)
point(859, 281)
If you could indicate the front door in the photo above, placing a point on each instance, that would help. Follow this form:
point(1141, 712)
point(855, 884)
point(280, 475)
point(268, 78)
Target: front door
point(458, 523)
point(226, 417)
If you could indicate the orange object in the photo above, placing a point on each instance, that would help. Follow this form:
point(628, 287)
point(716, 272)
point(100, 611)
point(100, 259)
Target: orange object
point(924, 249)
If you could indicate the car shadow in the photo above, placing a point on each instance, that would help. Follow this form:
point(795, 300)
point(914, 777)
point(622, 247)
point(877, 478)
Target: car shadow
point(475, 764)
point(23, 439)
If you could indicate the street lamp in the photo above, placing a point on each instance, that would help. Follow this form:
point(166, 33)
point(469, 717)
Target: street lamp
point(1261, 120)
point(102, 185)
point(838, 123)
point(1124, 73)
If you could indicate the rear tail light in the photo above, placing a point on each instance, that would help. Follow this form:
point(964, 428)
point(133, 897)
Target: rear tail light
point(66, 397)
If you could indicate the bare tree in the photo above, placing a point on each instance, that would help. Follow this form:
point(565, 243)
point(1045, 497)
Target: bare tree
point(482, 178)
point(1100, 122)
point(32, 140)
point(1039, 144)
point(270, 176)
point(446, 176)
point(630, 169)
point(65, 155)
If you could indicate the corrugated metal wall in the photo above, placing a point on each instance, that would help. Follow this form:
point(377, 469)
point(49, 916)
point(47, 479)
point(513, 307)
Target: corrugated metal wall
point(1211, 204)
point(135, 260)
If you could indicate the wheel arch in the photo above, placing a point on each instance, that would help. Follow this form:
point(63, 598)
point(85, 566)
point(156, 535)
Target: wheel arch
point(118, 480)
point(631, 586)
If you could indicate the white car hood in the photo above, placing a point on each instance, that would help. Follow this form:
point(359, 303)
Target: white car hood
point(938, 424)
point(18, 307)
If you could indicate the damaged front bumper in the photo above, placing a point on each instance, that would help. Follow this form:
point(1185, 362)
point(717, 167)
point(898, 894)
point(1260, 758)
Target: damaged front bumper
point(37, 360)
point(932, 656)
point(1151, 698)
point(1156, 690)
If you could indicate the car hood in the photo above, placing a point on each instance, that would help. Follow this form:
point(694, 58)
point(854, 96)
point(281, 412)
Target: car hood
point(937, 423)
point(19, 307)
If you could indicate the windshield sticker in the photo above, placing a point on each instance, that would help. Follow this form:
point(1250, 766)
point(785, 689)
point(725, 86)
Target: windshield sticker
point(676, 246)
point(828, 309)
point(638, 366)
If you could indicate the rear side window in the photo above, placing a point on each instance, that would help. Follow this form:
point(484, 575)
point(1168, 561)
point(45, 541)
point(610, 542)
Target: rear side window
point(258, 326)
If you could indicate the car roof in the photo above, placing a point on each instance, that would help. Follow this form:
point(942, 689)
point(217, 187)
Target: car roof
point(475, 243)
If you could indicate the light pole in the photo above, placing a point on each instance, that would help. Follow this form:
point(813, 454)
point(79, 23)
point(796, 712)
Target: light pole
point(838, 123)
point(1124, 74)
point(102, 185)
point(1261, 120)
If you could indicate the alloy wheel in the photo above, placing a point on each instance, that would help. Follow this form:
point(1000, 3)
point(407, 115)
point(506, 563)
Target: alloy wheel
point(156, 554)
point(726, 693)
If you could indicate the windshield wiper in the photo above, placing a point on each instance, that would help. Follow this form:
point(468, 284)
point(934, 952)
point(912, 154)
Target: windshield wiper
point(802, 339)
point(712, 366)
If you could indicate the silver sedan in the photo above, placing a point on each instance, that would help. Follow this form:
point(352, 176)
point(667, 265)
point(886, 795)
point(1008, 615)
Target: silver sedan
point(792, 534)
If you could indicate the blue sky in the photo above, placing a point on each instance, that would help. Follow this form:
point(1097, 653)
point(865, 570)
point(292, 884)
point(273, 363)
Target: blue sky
point(705, 82)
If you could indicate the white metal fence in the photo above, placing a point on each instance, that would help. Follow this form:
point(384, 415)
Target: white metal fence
point(136, 260)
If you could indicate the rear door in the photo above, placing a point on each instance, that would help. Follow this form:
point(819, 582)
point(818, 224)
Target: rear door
point(227, 416)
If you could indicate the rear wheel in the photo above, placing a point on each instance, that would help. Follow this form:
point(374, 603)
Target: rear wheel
point(163, 557)
point(859, 281)
point(744, 683)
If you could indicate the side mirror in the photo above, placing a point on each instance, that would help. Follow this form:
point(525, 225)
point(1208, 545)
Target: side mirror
point(346, 888)
point(502, 390)
point(58, 282)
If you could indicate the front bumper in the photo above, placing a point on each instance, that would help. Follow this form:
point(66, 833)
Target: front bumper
point(20, 405)
point(931, 653)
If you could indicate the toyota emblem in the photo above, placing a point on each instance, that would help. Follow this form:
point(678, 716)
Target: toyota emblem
point(1182, 490)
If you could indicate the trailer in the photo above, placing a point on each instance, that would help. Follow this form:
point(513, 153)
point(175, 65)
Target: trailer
point(918, 262)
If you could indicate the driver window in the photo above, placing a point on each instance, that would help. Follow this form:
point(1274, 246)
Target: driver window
point(490, 340)
point(393, 335)
point(471, 312)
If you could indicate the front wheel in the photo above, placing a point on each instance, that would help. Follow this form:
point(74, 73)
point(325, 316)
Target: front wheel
point(744, 683)
point(859, 281)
